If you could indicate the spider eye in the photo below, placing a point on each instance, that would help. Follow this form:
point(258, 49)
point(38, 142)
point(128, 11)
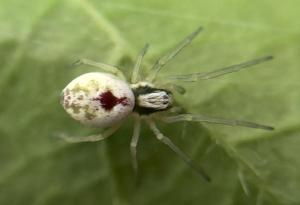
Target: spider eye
point(97, 99)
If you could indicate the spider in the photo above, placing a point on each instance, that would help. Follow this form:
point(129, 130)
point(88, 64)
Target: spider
point(106, 99)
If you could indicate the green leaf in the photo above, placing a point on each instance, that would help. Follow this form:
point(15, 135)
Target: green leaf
point(40, 39)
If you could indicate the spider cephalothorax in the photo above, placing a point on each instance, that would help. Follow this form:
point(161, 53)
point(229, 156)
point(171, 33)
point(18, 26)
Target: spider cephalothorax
point(105, 100)
point(149, 99)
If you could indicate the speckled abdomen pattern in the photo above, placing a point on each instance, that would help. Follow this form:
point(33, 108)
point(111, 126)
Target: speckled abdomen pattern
point(98, 99)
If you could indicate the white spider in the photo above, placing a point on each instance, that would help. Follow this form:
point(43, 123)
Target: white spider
point(105, 100)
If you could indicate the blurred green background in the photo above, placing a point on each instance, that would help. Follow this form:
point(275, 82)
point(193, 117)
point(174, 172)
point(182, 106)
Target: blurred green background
point(40, 39)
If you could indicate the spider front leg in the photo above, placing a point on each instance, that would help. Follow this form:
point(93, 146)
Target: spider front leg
point(167, 141)
point(214, 120)
point(134, 142)
point(91, 138)
point(105, 67)
point(218, 72)
point(173, 87)
point(161, 62)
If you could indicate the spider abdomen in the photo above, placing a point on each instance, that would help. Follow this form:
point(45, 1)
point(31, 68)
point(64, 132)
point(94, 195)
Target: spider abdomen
point(98, 99)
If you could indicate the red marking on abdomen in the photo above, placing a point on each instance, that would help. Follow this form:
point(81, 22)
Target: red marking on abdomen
point(108, 100)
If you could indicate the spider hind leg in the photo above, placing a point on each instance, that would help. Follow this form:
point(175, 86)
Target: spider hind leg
point(105, 67)
point(136, 69)
point(92, 138)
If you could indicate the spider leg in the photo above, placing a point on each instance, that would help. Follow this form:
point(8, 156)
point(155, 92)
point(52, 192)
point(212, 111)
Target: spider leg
point(218, 72)
point(136, 69)
point(174, 110)
point(167, 141)
point(106, 67)
point(202, 118)
point(134, 142)
point(91, 138)
point(174, 88)
point(161, 62)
